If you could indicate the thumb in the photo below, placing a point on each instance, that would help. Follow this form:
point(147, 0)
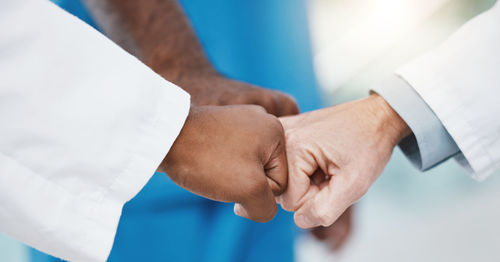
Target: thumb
point(259, 205)
point(325, 207)
point(276, 168)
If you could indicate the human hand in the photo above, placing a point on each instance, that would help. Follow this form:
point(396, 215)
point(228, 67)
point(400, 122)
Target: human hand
point(337, 234)
point(210, 88)
point(170, 47)
point(231, 154)
point(335, 154)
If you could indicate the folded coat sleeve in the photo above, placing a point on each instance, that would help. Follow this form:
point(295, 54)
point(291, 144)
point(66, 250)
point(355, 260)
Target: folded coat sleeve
point(460, 82)
point(429, 144)
point(84, 125)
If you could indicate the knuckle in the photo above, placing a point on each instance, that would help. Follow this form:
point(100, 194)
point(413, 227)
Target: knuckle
point(271, 105)
point(292, 139)
point(228, 99)
point(239, 100)
point(326, 220)
point(287, 206)
point(292, 106)
point(264, 98)
point(293, 205)
point(324, 216)
point(256, 108)
point(287, 104)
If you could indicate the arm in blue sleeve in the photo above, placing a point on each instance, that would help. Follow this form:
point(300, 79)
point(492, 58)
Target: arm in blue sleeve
point(430, 144)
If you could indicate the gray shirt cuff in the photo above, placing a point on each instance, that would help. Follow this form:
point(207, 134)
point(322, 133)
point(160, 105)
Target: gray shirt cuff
point(430, 144)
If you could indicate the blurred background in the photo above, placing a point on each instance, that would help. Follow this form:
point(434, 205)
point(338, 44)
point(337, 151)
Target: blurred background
point(440, 215)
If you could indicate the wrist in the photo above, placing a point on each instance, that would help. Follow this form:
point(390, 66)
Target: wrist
point(178, 148)
point(389, 121)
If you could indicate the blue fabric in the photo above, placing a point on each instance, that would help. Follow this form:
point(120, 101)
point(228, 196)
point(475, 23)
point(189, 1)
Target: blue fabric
point(258, 41)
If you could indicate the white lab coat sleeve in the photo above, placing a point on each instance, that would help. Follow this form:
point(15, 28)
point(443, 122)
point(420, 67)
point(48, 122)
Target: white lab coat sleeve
point(460, 81)
point(84, 125)
point(429, 144)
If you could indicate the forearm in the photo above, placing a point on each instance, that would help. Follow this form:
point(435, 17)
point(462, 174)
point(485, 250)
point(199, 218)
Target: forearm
point(156, 31)
point(96, 125)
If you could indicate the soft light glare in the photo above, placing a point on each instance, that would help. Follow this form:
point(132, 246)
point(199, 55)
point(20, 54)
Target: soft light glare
point(375, 27)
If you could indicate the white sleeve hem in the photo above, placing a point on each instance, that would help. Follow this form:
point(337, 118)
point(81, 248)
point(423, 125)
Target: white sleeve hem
point(436, 94)
point(89, 221)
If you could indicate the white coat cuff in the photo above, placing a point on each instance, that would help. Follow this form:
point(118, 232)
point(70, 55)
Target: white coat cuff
point(448, 106)
point(430, 144)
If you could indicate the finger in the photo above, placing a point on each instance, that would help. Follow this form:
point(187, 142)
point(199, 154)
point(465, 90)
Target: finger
point(286, 105)
point(266, 99)
point(255, 108)
point(301, 166)
point(259, 206)
point(276, 168)
point(299, 183)
point(325, 207)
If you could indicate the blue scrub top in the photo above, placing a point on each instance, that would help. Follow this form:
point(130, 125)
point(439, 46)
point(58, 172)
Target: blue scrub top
point(257, 41)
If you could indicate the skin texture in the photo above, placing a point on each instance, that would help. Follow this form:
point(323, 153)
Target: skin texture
point(231, 154)
point(159, 34)
point(335, 155)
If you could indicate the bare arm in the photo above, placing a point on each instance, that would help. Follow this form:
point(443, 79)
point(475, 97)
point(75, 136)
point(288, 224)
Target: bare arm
point(158, 32)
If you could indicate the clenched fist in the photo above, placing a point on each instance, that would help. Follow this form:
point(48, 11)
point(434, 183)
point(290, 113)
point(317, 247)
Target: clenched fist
point(210, 88)
point(335, 155)
point(231, 154)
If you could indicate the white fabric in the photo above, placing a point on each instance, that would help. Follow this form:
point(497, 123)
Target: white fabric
point(460, 81)
point(84, 125)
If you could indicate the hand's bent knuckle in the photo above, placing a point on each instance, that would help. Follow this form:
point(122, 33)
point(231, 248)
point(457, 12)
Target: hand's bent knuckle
point(290, 104)
point(324, 216)
point(258, 109)
point(287, 206)
point(267, 100)
point(287, 203)
point(292, 138)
